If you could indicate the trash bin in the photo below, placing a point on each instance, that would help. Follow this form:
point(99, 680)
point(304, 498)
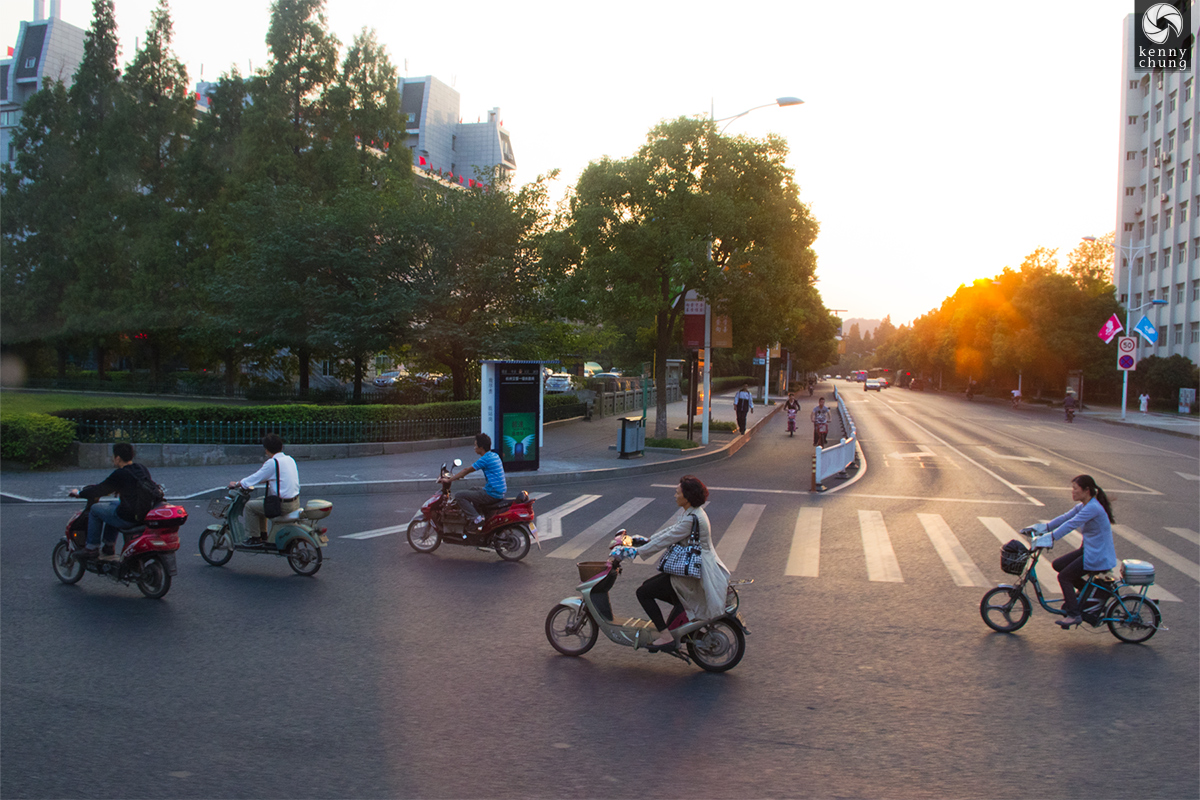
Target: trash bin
point(632, 441)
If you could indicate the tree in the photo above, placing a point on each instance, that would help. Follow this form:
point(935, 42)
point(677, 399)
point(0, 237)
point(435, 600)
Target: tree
point(479, 275)
point(1091, 264)
point(642, 230)
point(367, 100)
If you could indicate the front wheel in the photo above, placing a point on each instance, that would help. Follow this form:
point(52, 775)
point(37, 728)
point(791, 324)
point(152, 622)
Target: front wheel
point(512, 543)
point(1133, 618)
point(422, 536)
point(154, 579)
point(571, 630)
point(1004, 609)
point(304, 556)
point(66, 569)
point(216, 547)
point(718, 646)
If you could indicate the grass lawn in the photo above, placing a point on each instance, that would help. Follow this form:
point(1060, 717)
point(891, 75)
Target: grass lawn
point(16, 402)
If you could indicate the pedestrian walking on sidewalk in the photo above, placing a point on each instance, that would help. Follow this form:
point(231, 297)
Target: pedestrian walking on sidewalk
point(743, 404)
point(1144, 402)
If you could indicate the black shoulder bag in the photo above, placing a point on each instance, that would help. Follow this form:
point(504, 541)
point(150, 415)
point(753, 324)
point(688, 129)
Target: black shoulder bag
point(273, 504)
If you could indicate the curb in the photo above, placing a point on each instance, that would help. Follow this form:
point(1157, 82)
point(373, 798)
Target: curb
point(516, 480)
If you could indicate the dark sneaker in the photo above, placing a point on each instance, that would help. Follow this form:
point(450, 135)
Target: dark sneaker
point(255, 541)
point(85, 554)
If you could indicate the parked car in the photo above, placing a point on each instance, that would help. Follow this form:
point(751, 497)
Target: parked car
point(386, 379)
point(558, 383)
point(607, 375)
point(872, 385)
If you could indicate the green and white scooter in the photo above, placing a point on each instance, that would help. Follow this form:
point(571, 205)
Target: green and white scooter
point(574, 624)
point(292, 535)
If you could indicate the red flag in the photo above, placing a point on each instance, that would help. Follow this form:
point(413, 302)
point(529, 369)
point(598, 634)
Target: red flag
point(10, 51)
point(1110, 329)
point(422, 160)
point(471, 183)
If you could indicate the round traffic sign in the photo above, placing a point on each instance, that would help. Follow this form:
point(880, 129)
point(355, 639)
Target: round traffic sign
point(1126, 362)
point(1127, 344)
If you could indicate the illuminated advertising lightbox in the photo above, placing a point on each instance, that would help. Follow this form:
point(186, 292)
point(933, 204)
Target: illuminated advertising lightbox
point(518, 410)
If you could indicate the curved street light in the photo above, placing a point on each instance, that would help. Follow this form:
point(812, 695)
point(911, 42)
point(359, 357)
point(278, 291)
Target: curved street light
point(706, 408)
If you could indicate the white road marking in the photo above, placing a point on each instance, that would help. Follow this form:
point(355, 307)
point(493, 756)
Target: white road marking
point(550, 524)
point(962, 569)
point(1184, 565)
point(1186, 533)
point(804, 559)
point(989, 452)
point(733, 542)
point(877, 548)
point(938, 499)
point(601, 528)
point(1187, 477)
point(377, 532)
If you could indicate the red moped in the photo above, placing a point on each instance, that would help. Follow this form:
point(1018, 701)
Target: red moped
point(147, 558)
point(508, 526)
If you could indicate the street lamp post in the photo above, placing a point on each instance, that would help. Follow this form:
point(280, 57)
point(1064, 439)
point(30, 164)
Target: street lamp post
point(706, 408)
point(1129, 251)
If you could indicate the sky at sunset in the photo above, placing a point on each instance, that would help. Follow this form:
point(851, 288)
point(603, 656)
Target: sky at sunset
point(937, 144)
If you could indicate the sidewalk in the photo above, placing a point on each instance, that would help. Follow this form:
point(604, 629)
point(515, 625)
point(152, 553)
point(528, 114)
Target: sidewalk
point(573, 450)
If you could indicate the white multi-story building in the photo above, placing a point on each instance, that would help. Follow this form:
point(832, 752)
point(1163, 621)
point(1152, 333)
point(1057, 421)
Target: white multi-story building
point(1158, 235)
point(442, 144)
point(47, 49)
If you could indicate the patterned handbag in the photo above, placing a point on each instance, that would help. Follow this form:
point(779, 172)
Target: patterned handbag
point(683, 558)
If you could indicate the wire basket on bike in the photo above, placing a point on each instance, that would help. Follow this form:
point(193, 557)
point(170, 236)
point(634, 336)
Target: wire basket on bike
point(1013, 557)
point(218, 506)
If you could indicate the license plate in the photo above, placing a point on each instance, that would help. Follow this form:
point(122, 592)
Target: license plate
point(533, 529)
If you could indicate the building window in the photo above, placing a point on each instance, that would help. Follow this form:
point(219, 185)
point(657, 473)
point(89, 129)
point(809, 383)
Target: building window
point(1131, 120)
point(1171, 101)
point(30, 63)
point(1153, 227)
point(1141, 233)
point(1154, 186)
point(1196, 290)
point(1185, 131)
point(1184, 169)
point(1130, 155)
point(1137, 268)
point(1129, 191)
point(327, 368)
point(1166, 219)
point(1137, 300)
point(1195, 332)
point(1153, 261)
point(1171, 140)
point(1162, 335)
point(1124, 299)
point(1166, 263)
point(1187, 90)
point(1178, 331)
point(1169, 179)
point(1183, 212)
point(1157, 112)
point(1133, 84)
point(12, 152)
point(1181, 253)
point(1179, 293)
point(1144, 155)
point(1150, 296)
point(1128, 227)
point(1145, 122)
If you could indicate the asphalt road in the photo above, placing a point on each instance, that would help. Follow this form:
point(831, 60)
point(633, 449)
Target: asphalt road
point(397, 674)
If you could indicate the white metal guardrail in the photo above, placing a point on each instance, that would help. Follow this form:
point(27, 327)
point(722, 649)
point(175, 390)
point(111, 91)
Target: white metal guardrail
point(830, 461)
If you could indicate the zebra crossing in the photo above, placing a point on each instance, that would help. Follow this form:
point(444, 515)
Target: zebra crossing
point(566, 533)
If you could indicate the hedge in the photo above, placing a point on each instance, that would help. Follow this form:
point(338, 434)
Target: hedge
point(38, 440)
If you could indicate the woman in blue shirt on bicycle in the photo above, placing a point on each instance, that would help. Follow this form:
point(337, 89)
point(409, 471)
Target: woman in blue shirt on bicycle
point(1093, 518)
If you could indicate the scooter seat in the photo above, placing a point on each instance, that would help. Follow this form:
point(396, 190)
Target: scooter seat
point(291, 516)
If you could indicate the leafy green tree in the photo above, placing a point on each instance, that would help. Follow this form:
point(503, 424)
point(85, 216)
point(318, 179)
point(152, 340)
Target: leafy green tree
point(642, 230)
point(366, 100)
point(1091, 263)
point(1162, 378)
point(480, 277)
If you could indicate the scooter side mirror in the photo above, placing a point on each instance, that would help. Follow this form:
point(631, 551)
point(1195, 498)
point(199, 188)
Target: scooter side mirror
point(457, 462)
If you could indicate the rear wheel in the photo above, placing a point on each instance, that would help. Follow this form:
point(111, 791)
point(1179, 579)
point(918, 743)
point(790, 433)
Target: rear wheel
point(66, 569)
point(422, 536)
point(216, 547)
point(304, 556)
point(571, 630)
point(1134, 618)
point(718, 646)
point(154, 579)
point(1005, 609)
point(512, 543)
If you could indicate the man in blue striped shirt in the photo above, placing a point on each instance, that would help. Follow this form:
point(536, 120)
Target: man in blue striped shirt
point(494, 485)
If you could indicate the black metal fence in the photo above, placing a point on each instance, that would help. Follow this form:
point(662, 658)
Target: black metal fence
point(251, 432)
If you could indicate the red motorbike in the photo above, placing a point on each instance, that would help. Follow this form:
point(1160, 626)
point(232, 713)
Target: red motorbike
point(147, 558)
point(508, 525)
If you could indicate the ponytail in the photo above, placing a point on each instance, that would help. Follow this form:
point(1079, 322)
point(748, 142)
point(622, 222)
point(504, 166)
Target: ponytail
point(1089, 485)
